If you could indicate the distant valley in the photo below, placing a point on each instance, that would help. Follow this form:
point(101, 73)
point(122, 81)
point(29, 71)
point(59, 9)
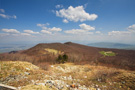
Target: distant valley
point(14, 47)
point(113, 45)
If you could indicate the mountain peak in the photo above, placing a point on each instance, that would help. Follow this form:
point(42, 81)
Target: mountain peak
point(68, 43)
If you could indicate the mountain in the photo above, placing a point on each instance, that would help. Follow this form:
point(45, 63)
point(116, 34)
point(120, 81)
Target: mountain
point(87, 68)
point(68, 48)
point(113, 45)
point(79, 54)
point(82, 54)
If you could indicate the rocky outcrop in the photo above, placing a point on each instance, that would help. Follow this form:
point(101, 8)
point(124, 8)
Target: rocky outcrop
point(6, 87)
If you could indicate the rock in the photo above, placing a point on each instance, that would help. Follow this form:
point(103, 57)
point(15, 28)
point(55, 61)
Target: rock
point(98, 89)
point(41, 84)
point(70, 77)
point(26, 73)
point(19, 88)
point(27, 68)
point(33, 82)
point(85, 76)
point(67, 86)
point(6, 87)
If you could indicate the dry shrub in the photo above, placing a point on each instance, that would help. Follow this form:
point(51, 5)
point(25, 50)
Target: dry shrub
point(102, 74)
point(127, 80)
point(44, 65)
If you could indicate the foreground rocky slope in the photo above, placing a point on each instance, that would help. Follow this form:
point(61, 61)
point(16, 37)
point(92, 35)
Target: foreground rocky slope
point(26, 76)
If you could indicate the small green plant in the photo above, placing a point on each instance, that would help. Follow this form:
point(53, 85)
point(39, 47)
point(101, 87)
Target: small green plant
point(107, 53)
point(62, 58)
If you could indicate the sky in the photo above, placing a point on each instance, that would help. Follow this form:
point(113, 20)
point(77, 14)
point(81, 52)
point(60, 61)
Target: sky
point(80, 21)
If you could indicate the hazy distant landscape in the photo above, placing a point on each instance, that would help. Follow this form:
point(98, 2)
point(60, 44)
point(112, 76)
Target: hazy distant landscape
point(113, 45)
point(14, 47)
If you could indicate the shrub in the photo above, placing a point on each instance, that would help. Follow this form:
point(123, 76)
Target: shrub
point(44, 65)
point(65, 57)
point(62, 58)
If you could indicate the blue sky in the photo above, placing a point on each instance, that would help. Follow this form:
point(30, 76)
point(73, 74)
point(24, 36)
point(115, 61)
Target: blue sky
point(81, 21)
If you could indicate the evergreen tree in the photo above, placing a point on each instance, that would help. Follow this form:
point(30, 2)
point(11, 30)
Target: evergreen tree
point(65, 57)
point(59, 59)
point(62, 59)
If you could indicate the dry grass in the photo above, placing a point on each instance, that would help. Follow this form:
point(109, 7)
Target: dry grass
point(53, 51)
point(44, 65)
point(18, 73)
point(15, 68)
point(127, 80)
point(105, 77)
point(91, 76)
point(36, 87)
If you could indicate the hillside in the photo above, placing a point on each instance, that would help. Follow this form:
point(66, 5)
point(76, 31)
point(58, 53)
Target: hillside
point(72, 49)
point(47, 53)
point(81, 54)
point(87, 68)
point(68, 76)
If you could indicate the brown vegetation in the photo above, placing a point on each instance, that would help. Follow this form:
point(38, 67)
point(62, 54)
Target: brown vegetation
point(66, 76)
point(79, 54)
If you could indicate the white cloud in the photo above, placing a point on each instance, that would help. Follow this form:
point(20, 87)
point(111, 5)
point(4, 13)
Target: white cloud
point(25, 34)
point(98, 32)
point(3, 34)
point(78, 31)
point(65, 20)
point(74, 31)
point(75, 14)
point(131, 28)
point(84, 29)
point(46, 32)
point(59, 6)
point(2, 10)
point(14, 16)
point(85, 5)
point(7, 16)
point(10, 30)
point(30, 32)
point(55, 29)
point(118, 32)
point(43, 26)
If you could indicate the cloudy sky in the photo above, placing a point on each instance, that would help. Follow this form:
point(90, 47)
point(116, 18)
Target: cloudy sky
point(81, 21)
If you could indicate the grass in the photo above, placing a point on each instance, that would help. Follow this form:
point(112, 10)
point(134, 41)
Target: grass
point(19, 69)
point(36, 87)
point(104, 77)
point(107, 53)
point(53, 51)
point(127, 80)
point(91, 76)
